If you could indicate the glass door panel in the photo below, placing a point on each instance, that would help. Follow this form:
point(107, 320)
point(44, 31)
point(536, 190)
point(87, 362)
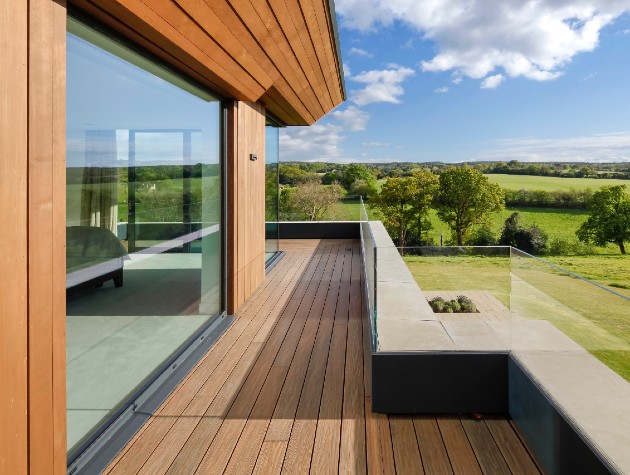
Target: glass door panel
point(144, 247)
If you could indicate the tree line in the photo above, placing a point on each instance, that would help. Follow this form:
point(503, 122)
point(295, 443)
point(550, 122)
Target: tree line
point(464, 199)
point(295, 173)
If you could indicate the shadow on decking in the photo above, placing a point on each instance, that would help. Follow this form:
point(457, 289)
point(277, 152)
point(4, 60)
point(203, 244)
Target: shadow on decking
point(287, 388)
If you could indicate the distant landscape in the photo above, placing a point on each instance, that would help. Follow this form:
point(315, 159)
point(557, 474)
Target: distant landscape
point(553, 197)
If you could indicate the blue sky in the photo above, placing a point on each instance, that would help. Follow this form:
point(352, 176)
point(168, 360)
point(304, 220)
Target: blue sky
point(455, 80)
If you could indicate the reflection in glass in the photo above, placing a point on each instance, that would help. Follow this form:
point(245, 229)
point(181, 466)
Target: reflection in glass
point(143, 223)
point(272, 162)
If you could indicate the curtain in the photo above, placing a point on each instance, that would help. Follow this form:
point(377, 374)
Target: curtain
point(99, 194)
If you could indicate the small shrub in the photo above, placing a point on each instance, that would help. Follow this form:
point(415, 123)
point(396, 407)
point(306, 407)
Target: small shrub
point(566, 247)
point(461, 304)
point(482, 236)
point(437, 304)
point(529, 239)
point(466, 304)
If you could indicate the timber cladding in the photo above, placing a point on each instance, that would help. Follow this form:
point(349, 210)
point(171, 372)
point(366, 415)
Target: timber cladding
point(32, 235)
point(282, 53)
point(245, 202)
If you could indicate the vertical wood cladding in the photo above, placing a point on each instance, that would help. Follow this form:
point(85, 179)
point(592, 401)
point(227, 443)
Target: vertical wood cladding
point(246, 201)
point(13, 257)
point(282, 53)
point(32, 230)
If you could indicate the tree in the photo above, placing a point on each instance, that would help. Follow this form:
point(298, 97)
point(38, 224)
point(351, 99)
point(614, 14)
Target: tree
point(394, 201)
point(291, 175)
point(465, 199)
point(425, 184)
point(309, 202)
point(356, 172)
point(363, 189)
point(529, 239)
point(405, 202)
point(609, 218)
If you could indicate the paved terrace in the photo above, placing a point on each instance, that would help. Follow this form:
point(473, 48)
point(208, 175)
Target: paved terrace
point(287, 389)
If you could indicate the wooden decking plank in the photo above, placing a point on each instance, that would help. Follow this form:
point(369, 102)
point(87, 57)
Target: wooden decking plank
point(287, 389)
point(460, 452)
point(301, 432)
point(144, 443)
point(231, 346)
point(431, 445)
point(244, 455)
point(185, 462)
point(286, 408)
point(484, 446)
point(325, 458)
point(168, 449)
point(220, 450)
point(352, 458)
point(271, 457)
point(406, 453)
point(372, 441)
point(516, 456)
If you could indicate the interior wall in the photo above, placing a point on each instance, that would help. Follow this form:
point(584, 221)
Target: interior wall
point(32, 235)
point(246, 201)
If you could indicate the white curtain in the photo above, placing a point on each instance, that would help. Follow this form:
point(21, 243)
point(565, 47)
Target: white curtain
point(99, 193)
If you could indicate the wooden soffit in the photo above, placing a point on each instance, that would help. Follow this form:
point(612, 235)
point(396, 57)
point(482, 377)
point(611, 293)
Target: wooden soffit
point(283, 53)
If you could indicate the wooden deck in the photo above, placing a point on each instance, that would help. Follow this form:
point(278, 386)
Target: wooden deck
point(287, 390)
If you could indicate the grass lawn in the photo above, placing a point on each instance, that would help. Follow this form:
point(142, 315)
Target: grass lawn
point(348, 209)
point(598, 320)
point(612, 271)
point(463, 273)
point(594, 318)
point(552, 183)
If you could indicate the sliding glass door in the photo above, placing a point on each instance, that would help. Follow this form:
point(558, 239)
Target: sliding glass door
point(272, 162)
point(144, 247)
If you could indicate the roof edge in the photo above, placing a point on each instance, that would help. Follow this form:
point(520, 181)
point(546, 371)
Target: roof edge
point(335, 31)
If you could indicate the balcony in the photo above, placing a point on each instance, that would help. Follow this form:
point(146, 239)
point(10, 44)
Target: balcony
point(338, 363)
point(542, 345)
point(288, 388)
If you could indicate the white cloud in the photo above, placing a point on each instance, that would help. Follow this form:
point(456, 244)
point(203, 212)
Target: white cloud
point(346, 70)
point(317, 142)
point(492, 81)
point(611, 147)
point(323, 140)
point(352, 118)
point(519, 38)
point(375, 144)
point(441, 90)
point(408, 44)
point(364, 15)
point(360, 52)
point(381, 85)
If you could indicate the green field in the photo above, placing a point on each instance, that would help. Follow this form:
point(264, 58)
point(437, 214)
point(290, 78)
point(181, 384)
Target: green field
point(557, 223)
point(545, 183)
point(549, 183)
